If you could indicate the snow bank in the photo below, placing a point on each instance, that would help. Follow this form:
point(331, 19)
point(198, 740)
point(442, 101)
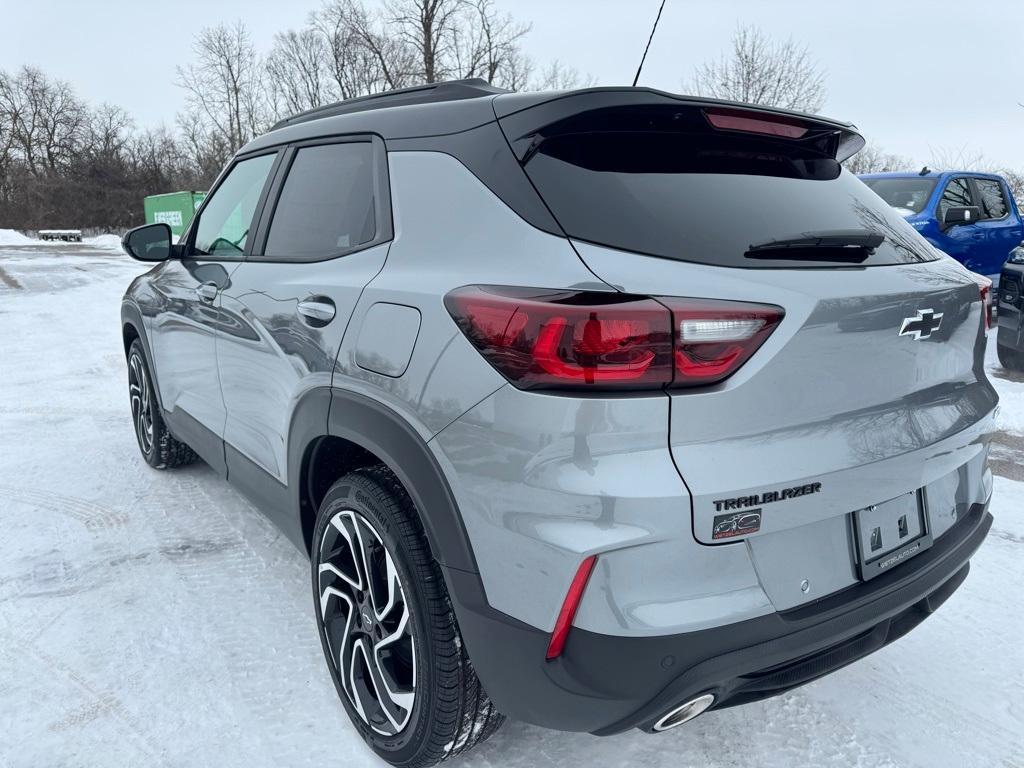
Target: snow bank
point(106, 242)
point(1011, 406)
point(11, 237)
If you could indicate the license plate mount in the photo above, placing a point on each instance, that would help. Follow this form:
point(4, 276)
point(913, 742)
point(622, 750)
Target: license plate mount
point(890, 533)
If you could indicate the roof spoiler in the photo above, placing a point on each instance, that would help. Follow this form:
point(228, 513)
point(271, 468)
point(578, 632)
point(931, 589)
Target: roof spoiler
point(528, 119)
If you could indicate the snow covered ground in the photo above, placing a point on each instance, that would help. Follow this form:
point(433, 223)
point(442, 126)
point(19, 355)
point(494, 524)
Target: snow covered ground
point(156, 619)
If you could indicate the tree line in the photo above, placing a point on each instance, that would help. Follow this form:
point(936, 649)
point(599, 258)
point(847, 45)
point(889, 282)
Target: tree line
point(65, 163)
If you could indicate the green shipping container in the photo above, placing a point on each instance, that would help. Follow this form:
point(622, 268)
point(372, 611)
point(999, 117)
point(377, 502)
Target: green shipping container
point(174, 209)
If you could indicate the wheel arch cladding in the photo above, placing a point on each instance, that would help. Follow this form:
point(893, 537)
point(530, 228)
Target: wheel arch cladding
point(133, 328)
point(129, 333)
point(334, 431)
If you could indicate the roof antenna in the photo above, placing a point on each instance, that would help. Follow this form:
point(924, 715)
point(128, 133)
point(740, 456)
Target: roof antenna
point(644, 58)
point(925, 171)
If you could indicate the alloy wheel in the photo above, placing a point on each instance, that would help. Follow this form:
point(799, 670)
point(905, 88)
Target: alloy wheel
point(142, 403)
point(367, 622)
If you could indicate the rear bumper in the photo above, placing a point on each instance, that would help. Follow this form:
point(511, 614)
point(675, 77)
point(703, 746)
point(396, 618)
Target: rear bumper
point(606, 684)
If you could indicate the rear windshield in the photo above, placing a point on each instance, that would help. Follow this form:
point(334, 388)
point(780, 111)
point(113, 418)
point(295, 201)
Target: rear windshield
point(907, 195)
point(710, 197)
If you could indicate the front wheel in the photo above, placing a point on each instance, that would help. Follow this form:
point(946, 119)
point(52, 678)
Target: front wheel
point(387, 627)
point(158, 446)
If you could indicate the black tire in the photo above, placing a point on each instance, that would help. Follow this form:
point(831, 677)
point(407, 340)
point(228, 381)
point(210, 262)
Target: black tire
point(156, 444)
point(450, 711)
point(1011, 359)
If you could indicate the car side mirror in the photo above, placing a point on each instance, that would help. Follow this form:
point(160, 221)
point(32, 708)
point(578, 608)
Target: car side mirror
point(961, 214)
point(151, 242)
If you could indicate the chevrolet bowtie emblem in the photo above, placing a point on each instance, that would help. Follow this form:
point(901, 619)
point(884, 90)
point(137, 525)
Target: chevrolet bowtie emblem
point(923, 325)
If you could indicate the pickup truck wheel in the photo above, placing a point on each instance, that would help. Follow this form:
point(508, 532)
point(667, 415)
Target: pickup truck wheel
point(1011, 359)
point(387, 628)
point(158, 446)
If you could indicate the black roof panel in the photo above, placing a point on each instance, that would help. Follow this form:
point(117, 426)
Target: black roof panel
point(434, 110)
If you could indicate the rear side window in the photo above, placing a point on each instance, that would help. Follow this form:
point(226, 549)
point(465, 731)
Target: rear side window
point(907, 194)
point(956, 195)
point(662, 185)
point(326, 206)
point(993, 203)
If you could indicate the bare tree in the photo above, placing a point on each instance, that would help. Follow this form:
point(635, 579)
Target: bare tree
point(42, 119)
point(427, 27)
point(225, 84)
point(487, 43)
point(556, 76)
point(873, 159)
point(760, 70)
point(1015, 180)
point(962, 158)
point(297, 76)
point(363, 58)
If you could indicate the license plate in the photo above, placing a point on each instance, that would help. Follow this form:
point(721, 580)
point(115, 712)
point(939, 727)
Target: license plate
point(890, 533)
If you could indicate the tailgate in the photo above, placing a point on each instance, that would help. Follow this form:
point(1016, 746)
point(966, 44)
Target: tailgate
point(835, 412)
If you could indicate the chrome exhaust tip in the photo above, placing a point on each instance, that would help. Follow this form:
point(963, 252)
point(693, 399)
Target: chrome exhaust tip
point(684, 713)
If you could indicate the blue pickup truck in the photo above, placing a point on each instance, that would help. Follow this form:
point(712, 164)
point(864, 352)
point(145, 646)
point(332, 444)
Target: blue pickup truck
point(971, 216)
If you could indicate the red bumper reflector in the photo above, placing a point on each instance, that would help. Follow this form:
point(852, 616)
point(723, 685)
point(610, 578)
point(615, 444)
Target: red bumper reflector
point(569, 606)
point(985, 286)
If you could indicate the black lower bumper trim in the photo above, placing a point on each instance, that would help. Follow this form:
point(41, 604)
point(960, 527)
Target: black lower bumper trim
point(606, 684)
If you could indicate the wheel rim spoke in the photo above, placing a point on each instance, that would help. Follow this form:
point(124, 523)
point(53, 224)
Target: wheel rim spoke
point(139, 394)
point(390, 702)
point(367, 623)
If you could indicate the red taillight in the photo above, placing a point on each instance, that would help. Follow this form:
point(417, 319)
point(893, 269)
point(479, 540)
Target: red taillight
point(567, 339)
point(550, 339)
point(714, 338)
point(749, 121)
point(569, 606)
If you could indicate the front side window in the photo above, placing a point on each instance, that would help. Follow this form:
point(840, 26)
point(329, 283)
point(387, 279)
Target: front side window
point(956, 195)
point(227, 219)
point(993, 203)
point(327, 205)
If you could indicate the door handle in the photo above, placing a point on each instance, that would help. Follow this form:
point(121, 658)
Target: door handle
point(318, 311)
point(207, 292)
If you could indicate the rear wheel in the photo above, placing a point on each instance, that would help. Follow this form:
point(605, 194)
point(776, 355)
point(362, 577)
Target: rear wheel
point(387, 627)
point(158, 446)
point(1010, 358)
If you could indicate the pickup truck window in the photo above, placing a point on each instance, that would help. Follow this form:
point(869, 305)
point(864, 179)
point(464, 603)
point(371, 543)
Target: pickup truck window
point(957, 194)
point(908, 194)
point(993, 202)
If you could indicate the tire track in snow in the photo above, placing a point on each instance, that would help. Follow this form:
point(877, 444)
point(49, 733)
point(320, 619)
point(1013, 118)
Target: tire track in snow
point(98, 701)
point(9, 280)
point(95, 517)
point(279, 629)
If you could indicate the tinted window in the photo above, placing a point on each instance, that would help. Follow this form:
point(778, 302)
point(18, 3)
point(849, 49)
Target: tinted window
point(956, 195)
point(327, 204)
point(226, 221)
point(993, 204)
point(908, 194)
point(708, 199)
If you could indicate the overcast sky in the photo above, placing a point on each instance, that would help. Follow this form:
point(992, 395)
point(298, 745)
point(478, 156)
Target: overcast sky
point(916, 76)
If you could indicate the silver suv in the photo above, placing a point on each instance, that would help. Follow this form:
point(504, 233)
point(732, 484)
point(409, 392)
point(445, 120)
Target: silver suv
point(595, 409)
